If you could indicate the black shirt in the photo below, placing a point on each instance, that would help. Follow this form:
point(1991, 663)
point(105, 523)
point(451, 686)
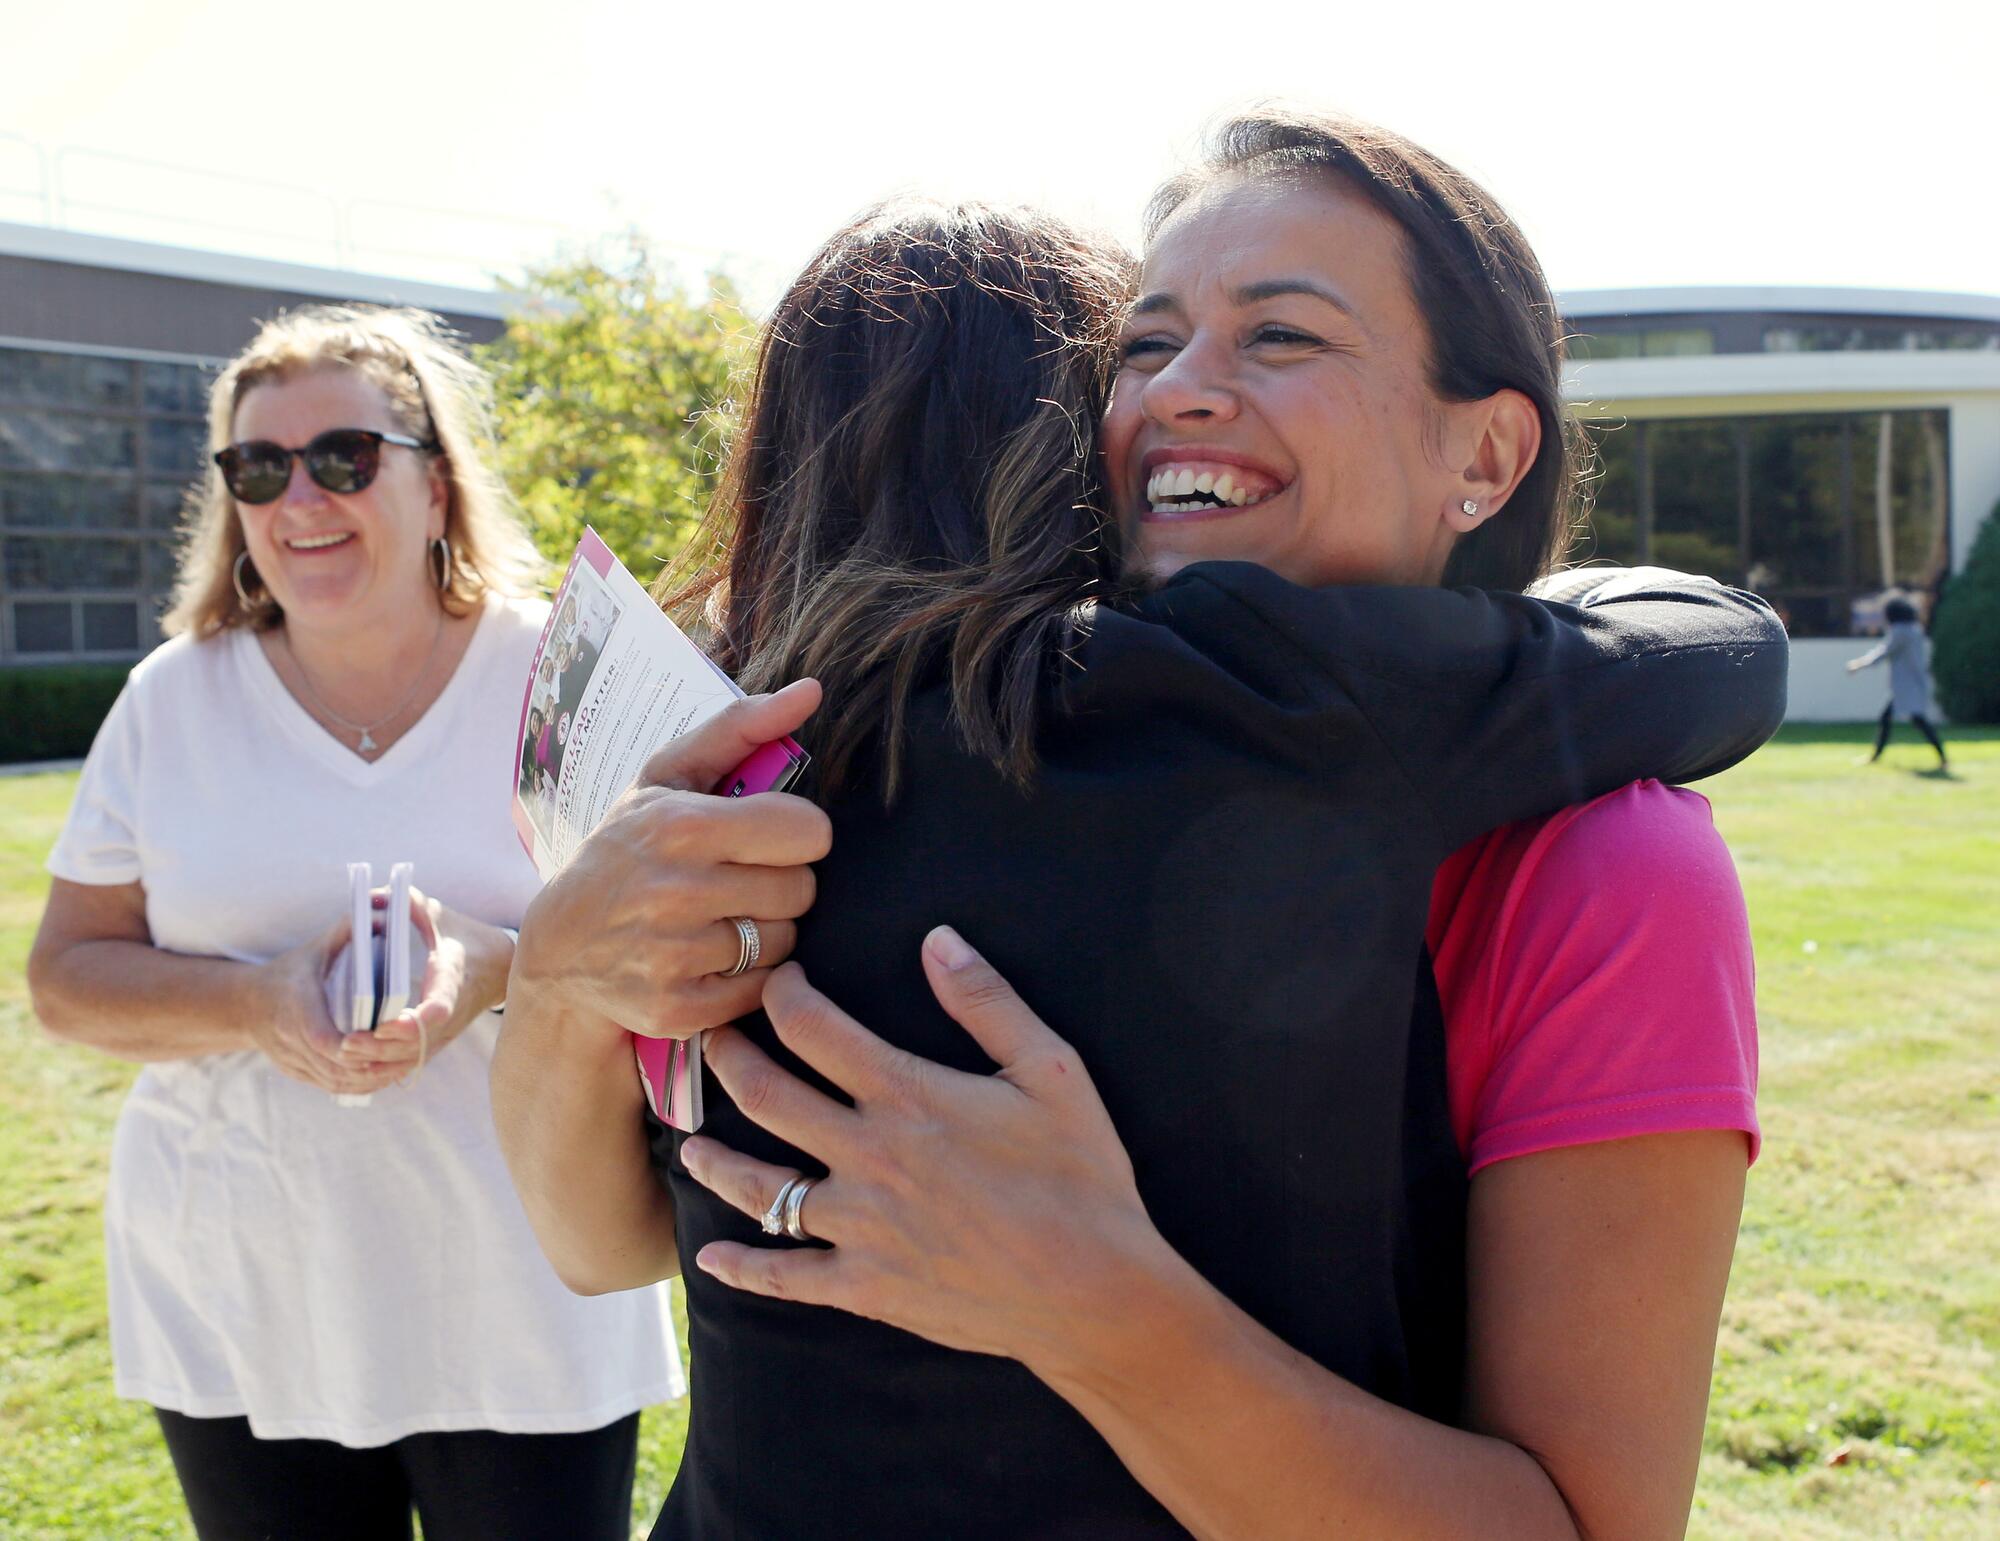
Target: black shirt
point(1216, 891)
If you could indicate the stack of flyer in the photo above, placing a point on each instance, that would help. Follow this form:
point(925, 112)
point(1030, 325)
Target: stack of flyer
point(370, 981)
point(613, 680)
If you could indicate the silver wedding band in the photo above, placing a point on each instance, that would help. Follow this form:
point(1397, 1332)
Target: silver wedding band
point(749, 947)
point(794, 1200)
point(782, 1218)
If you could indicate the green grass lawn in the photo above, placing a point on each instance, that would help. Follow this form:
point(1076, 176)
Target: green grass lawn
point(1857, 1389)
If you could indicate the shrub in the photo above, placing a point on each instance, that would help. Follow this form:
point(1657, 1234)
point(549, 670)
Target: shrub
point(1965, 635)
point(613, 383)
point(53, 713)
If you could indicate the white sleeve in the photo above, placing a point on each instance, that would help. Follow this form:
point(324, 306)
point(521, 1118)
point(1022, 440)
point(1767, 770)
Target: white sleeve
point(99, 843)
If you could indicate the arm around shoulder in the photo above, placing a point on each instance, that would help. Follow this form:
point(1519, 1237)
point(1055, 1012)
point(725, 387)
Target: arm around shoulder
point(1499, 706)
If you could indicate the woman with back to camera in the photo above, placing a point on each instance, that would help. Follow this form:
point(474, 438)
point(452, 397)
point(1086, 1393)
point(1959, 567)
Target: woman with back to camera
point(1211, 886)
point(338, 1311)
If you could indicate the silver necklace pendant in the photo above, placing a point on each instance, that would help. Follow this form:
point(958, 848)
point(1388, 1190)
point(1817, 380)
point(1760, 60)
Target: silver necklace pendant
point(367, 741)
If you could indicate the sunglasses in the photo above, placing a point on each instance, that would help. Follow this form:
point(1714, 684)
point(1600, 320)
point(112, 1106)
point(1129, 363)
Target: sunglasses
point(340, 460)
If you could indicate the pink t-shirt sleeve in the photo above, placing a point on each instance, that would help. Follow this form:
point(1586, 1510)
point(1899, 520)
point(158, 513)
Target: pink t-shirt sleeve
point(1596, 977)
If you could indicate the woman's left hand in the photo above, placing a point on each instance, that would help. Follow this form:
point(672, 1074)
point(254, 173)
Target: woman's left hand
point(993, 1213)
point(465, 975)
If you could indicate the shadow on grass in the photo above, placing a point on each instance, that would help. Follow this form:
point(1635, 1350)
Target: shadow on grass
point(1864, 733)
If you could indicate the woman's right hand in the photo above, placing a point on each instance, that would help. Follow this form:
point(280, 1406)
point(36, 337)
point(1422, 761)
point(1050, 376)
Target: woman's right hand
point(289, 1023)
point(636, 930)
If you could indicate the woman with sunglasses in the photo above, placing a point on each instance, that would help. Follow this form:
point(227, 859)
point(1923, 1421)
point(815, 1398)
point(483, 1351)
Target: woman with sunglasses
point(319, 1274)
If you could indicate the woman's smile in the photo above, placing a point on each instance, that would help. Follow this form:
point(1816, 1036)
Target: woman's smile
point(1198, 482)
point(326, 541)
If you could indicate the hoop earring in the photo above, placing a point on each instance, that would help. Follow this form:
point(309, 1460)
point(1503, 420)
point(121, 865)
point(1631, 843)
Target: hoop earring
point(236, 577)
point(441, 553)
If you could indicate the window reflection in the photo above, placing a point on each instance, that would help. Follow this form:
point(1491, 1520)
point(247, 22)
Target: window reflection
point(1883, 337)
point(1641, 342)
point(1814, 511)
point(1613, 531)
point(110, 626)
point(1736, 332)
point(43, 627)
point(175, 446)
point(175, 388)
point(65, 441)
point(96, 455)
point(65, 564)
point(63, 380)
point(163, 503)
point(31, 500)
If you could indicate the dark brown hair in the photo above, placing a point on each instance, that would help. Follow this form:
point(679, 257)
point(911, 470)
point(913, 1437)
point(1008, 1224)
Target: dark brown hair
point(914, 490)
point(1492, 321)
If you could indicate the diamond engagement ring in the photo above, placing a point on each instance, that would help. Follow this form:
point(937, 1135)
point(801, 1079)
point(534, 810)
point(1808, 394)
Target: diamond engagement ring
point(749, 946)
point(777, 1217)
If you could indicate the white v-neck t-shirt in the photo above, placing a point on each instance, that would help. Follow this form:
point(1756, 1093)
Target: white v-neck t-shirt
point(346, 1273)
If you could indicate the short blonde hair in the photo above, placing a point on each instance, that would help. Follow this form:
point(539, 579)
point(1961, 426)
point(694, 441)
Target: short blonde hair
point(435, 393)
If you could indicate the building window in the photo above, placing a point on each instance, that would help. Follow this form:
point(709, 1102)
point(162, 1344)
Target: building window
point(1819, 513)
point(110, 627)
point(42, 629)
point(1883, 336)
point(96, 458)
point(1642, 342)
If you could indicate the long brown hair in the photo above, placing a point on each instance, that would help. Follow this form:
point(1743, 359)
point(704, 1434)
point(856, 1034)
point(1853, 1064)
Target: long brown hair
point(914, 487)
point(1492, 321)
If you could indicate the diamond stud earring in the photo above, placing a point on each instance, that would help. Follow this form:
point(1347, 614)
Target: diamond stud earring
point(1471, 509)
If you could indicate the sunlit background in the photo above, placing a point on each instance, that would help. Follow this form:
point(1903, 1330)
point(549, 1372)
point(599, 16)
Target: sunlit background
point(1697, 143)
point(1769, 226)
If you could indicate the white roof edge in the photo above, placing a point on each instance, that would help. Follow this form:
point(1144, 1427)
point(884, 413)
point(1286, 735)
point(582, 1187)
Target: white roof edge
point(99, 350)
point(1940, 375)
point(104, 251)
point(1577, 304)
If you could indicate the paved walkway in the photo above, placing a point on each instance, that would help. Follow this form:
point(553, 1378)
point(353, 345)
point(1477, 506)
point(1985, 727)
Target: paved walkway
point(40, 767)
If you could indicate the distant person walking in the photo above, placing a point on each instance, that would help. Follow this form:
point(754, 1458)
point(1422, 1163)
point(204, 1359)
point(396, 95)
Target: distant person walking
point(1908, 652)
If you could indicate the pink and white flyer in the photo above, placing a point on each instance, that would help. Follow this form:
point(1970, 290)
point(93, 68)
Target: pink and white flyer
point(614, 679)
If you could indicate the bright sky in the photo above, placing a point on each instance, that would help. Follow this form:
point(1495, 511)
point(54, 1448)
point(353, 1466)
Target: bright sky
point(1638, 143)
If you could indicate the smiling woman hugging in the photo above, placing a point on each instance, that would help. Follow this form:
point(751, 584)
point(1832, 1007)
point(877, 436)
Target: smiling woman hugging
point(1222, 1258)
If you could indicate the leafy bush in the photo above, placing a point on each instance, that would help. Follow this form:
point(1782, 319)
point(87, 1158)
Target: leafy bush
point(1965, 635)
point(613, 383)
point(53, 713)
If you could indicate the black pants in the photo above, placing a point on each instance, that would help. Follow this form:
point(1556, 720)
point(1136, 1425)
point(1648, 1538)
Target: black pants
point(473, 1485)
point(1923, 726)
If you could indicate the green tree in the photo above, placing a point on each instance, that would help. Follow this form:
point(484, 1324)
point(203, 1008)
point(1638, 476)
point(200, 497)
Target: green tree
point(613, 384)
point(1965, 635)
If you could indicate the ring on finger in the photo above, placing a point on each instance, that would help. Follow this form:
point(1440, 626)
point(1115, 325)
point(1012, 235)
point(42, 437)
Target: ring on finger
point(749, 946)
point(775, 1217)
point(795, 1200)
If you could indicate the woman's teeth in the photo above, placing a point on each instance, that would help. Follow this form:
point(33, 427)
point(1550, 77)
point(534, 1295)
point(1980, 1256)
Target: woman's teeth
point(1175, 489)
point(319, 542)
